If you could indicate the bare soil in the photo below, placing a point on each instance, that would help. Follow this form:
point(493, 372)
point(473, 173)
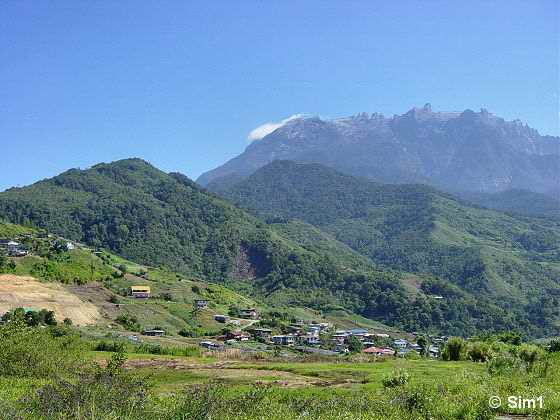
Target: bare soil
point(27, 292)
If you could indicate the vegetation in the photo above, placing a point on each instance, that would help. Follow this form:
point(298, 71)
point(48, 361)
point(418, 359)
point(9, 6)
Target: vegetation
point(476, 260)
point(358, 257)
point(61, 380)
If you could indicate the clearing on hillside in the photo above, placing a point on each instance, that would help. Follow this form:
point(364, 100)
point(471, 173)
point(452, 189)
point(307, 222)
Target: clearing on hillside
point(27, 292)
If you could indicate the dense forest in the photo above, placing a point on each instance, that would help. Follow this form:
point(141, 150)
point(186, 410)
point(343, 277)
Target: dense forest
point(357, 260)
point(415, 228)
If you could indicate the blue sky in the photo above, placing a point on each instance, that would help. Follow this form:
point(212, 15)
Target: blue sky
point(181, 84)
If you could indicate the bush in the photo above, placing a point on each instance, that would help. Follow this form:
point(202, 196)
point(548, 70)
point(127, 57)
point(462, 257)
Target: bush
point(109, 393)
point(36, 352)
point(355, 345)
point(479, 352)
point(503, 364)
point(396, 378)
point(110, 346)
point(129, 322)
point(554, 346)
point(114, 299)
point(454, 350)
point(529, 355)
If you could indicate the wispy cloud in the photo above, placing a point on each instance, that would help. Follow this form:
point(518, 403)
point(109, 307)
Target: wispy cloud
point(267, 128)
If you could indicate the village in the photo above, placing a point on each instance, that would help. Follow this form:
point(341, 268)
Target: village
point(248, 330)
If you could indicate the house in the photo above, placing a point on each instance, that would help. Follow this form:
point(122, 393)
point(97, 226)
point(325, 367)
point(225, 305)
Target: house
point(237, 336)
point(403, 352)
point(140, 292)
point(250, 313)
point(434, 351)
point(284, 340)
point(262, 333)
point(154, 333)
point(358, 332)
point(340, 337)
point(295, 328)
point(13, 249)
point(314, 329)
point(382, 335)
point(200, 304)
point(341, 348)
point(221, 318)
point(324, 326)
point(416, 347)
point(70, 246)
point(400, 343)
point(210, 345)
point(310, 340)
point(379, 351)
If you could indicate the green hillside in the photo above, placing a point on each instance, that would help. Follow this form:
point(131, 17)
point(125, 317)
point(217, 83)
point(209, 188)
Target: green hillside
point(510, 261)
point(517, 201)
point(165, 220)
point(359, 262)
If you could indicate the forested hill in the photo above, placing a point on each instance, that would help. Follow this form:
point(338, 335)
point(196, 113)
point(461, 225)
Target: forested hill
point(145, 215)
point(518, 202)
point(151, 217)
point(515, 260)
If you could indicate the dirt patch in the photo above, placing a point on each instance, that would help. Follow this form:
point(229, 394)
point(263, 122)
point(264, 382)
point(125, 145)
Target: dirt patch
point(98, 296)
point(223, 370)
point(27, 292)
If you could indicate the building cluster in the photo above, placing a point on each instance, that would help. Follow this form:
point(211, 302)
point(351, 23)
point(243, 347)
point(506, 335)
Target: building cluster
point(13, 248)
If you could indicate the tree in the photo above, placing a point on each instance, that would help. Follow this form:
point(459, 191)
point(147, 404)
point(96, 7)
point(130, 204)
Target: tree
point(355, 345)
point(454, 349)
point(424, 345)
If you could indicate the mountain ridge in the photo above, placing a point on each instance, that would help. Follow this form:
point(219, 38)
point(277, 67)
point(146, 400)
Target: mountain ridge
point(413, 228)
point(453, 151)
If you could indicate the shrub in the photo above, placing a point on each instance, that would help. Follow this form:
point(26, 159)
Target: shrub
point(502, 364)
point(109, 393)
point(479, 352)
point(110, 346)
point(454, 349)
point(529, 354)
point(129, 322)
point(554, 346)
point(355, 345)
point(36, 352)
point(114, 299)
point(396, 378)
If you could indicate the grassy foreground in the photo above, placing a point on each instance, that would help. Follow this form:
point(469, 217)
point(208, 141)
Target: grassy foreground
point(50, 373)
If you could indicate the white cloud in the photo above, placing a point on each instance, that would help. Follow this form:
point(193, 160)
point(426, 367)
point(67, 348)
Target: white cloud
point(267, 128)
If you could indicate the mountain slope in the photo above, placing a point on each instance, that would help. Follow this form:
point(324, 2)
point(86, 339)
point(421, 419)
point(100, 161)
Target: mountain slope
point(415, 228)
point(517, 201)
point(159, 219)
point(454, 151)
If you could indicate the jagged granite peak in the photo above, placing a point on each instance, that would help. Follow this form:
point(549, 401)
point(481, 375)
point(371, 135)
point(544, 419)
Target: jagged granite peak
point(452, 150)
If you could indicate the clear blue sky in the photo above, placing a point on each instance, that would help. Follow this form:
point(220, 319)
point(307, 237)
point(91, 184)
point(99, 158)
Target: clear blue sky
point(182, 83)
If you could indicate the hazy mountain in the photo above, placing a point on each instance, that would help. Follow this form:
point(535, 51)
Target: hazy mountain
point(517, 201)
point(415, 228)
point(454, 151)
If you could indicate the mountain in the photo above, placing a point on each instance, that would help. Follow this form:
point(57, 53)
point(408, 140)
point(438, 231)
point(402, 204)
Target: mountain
point(513, 260)
point(517, 201)
point(352, 258)
point(158, 219)
point(453, 151)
